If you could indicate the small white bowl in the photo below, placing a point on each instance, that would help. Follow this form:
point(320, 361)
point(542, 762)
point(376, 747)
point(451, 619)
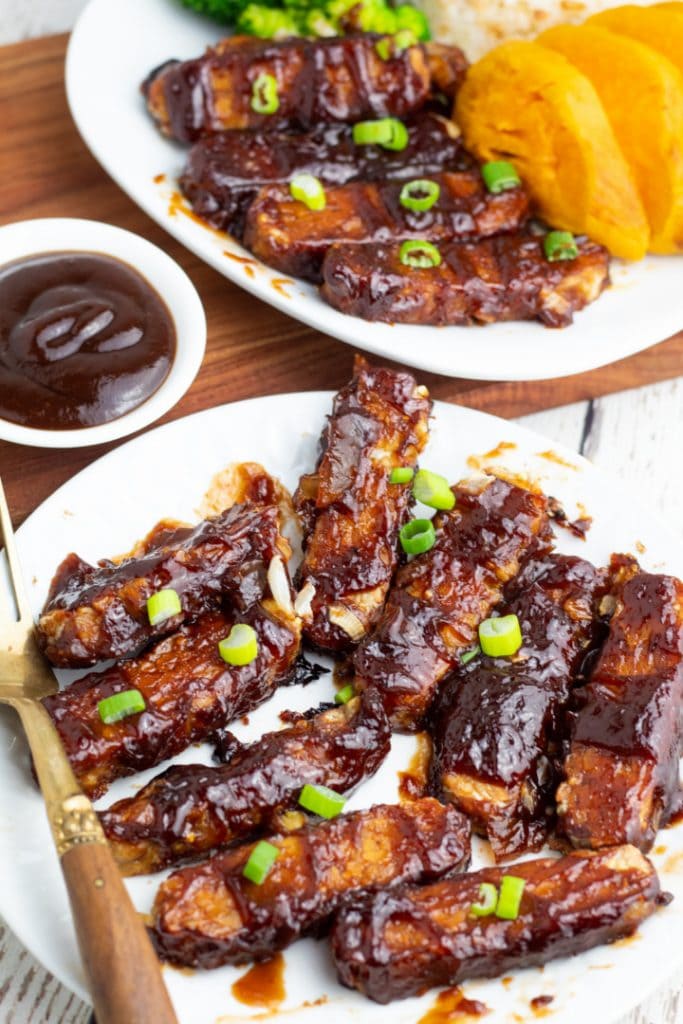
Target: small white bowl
point(65, 234)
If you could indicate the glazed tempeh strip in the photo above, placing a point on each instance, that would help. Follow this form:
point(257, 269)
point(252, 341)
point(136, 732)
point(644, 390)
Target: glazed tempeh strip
point(484, 281)
point(189, 692)
point(191, 810)
point(282, 232)
point(224, 172)
point(340, 79)
point(97, 612)
point(350, 511)
point(625, 732)
point(402, 941)
point(438, 600)
point(496, 722)
point(210, 915)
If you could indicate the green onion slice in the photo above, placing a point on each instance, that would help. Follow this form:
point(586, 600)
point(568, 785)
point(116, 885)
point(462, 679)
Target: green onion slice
point(240, 646)
point(163, 605)
point(121, 705)
point(433, 490)
point(399, 136)
point(419, 195)
point(487, 902)
point(501, 637)
point(417, 536)
point(510, 898)
point(419, 253)
point(344, 695)
point(499, 175)
point(468, 656)
point(321, 801)
point(309, 190)
point(388, 132)
point(401, 475)
point(261, 860)
point(560, 245)
point(264, 95)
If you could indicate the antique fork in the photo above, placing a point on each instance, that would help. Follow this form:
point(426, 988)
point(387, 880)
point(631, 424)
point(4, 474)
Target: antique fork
point(124, 973)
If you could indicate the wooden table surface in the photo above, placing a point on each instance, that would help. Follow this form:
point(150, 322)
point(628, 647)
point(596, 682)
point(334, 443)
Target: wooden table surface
point(252, 349)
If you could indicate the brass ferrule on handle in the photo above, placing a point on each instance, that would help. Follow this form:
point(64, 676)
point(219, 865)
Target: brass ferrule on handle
point(73, 823)
point(72, 818)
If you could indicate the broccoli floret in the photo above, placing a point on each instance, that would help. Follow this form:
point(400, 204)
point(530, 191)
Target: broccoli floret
point(409, 17)
point(259, 20)
point(318, 23)
point(222, 10)
point(364, 15)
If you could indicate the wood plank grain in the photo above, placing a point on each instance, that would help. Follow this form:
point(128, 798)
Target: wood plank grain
point(252, 349)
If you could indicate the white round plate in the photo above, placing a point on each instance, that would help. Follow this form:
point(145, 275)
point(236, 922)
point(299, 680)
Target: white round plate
point(165, 473)
point(644, 306)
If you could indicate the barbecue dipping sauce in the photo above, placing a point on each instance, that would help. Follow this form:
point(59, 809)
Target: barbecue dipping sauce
point(83, 339)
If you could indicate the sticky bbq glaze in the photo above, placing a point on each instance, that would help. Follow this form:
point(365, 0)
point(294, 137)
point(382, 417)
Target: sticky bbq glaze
point(84, 339)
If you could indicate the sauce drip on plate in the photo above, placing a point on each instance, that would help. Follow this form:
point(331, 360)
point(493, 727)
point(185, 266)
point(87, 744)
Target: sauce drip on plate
point(83, 339)
point(263, 984)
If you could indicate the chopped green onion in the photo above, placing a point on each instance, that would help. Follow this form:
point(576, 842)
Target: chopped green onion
point(401, 475)
point(418, 253)
point(344, 695)
point(433, 490)
point(468, 656)
point(560, 245)
point(499, 175)
point(309, 190)
point(261, 860)
point(417, 536)
point(121, 705)
point(163, 605)
point(399, 136)
point(264, 95)
point(240, 646)
point(321, 801)
point(419, 195)
point(511, 889)
point(488, 900)
point(387, 132)
point(501, 637)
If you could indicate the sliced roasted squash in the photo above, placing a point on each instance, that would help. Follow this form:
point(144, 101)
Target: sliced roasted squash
point(659, 26)
point(525, 103)
point(642, 93)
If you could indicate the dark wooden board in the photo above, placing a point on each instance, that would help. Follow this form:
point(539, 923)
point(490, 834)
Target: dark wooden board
point(46, 171)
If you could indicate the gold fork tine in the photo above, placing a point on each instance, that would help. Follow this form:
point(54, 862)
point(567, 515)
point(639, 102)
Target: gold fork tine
point(15, 578)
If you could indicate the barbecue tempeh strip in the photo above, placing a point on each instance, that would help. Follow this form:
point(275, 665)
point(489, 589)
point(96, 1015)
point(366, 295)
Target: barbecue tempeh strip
point(350, 511)
point(438, 600)
point(190, 810)
point(340, 79)
point(210, 915)
point(625, 733)
point(496, 722)
point(98, 612)
point(225, 172)
point(284, 233)
point(502, 278)
point(189, 692)
point(402, 941)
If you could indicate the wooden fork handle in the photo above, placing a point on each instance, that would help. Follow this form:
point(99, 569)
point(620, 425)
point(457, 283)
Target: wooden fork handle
point(122, 967)
point(125, 981)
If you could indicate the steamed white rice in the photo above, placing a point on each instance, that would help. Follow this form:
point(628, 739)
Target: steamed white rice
point(478, 25)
